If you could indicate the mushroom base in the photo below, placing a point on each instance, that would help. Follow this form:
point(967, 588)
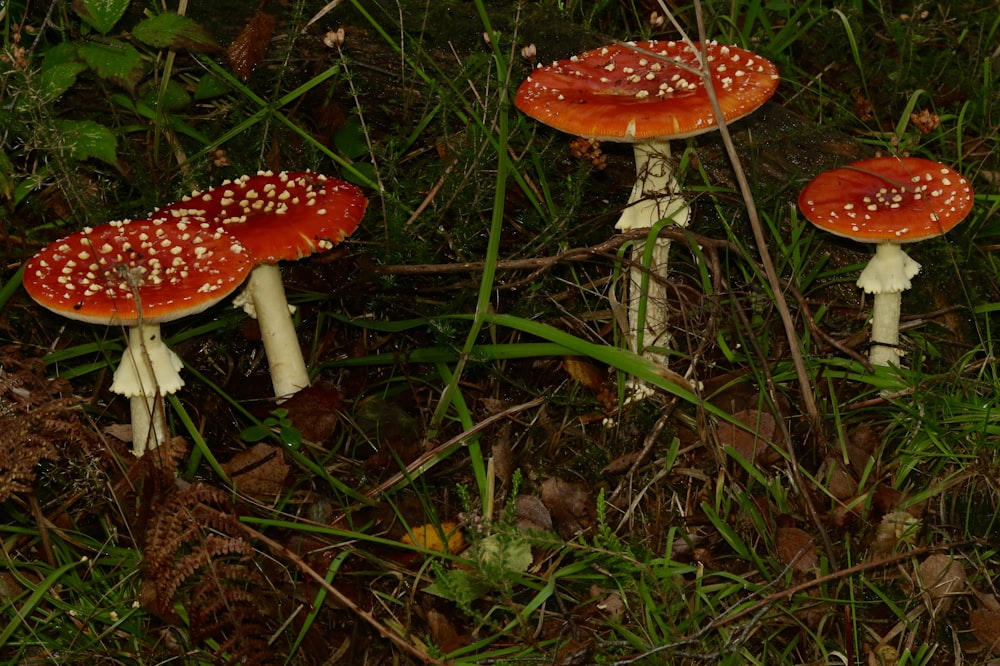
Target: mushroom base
point(148, 371)
point(885, 329)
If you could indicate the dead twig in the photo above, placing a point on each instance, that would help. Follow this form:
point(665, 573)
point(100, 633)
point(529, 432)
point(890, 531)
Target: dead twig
point(575, 254)
point(284, 553)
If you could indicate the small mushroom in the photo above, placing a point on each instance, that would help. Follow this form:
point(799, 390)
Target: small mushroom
point(888, 201)
point(139, 274)
point(277, 217)
point(647, 93)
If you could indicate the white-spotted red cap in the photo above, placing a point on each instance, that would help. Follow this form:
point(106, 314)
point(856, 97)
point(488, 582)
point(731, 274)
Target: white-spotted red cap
point(639, 91)
point(278, 216)
point(175, 268)
point(887, 199)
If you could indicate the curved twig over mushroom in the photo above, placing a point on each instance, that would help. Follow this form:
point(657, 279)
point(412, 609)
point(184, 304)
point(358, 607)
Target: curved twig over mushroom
point(647, 93)
point(888, 201)
point(277, 216)
point(139, 274)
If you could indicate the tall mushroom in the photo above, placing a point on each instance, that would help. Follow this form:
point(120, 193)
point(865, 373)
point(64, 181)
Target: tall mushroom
point(647, 93)
point(139, 274)
point(277, 217)
point(888, 201)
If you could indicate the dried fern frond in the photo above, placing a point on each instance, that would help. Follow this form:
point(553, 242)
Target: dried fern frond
point(38, 421)
point(196, 554)
point(29, 437)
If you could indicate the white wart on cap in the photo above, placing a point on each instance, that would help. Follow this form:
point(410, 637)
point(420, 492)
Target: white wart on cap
point(887, 199)
point(138, 274)
point(175, 268)
point(644, 90)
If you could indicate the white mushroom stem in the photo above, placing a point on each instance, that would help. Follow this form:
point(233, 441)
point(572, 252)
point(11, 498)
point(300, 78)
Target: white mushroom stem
point(264, 298)
point(887, 276)
point(655, 196)
point(148, 371)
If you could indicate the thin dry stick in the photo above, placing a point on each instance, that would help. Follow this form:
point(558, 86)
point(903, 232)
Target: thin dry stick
point(755, 609)
point(427, 460)
point(781, 304)
point(805, 385)
point(342, 599)
point(574, 254)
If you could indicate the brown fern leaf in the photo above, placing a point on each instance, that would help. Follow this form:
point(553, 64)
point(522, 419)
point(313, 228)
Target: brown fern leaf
point(39, 421)
point(28, 436)
point(196, 554)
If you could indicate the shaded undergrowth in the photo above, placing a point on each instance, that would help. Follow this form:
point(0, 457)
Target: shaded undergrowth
point(465, 482)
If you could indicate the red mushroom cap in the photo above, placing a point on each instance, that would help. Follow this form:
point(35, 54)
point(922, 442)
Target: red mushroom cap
point(625, 93)
point(176, 268)
point(278, 216)
point(887, 199)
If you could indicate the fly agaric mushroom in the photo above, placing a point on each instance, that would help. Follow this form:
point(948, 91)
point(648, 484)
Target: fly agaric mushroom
point(647, 93)
point(139, 274)
point(277, 217)
point(888, 201)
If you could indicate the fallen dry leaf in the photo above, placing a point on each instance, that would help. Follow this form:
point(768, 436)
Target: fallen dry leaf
point(839, 481)
point(532, 514)
point(503, 459)
point(883, 655)
point(432, 537)
point(941, 578)
point(610, 603)
point(756, 445)
point(259, 471)
point(985, 625)
point(120, 431)
point(250, 46)
point(621, 464)
point(584, 373)
point(443, 631)
point(796, 548)
point(571, 505)
point(314, 411)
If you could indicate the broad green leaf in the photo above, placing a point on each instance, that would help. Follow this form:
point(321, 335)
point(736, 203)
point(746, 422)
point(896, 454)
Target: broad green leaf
point(367, 172)
point(176, 32)
point(57, 79)
point(101, 14)
point(146, 111)
point(61, 53)
point(173, 97)
point(255, 433)
point(210, 86)
point(85, 139)
point(115, 61)
point(350, 139)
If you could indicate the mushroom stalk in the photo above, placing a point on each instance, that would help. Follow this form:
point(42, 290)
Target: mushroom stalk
point(887, 276)
point(655, 196)
point(885, 329)
point(887, 200)
point(265, 296)
point(148, 371)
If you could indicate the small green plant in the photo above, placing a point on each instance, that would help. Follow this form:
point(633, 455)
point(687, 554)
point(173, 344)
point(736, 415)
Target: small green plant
point(45, 82)
point(277, 427)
